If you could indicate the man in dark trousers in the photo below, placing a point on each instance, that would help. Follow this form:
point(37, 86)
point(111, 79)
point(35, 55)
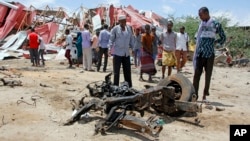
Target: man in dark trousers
point(103, 47)
point(33, 43)
point(121, 40)
point(204, 53)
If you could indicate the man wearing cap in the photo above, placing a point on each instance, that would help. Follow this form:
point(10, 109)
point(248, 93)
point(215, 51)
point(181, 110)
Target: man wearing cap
point(121, 40)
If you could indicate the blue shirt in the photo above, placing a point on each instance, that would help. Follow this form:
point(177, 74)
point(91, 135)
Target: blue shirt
point(104, 38)
point(137, 42)
point(121, 40)
point(86, 39)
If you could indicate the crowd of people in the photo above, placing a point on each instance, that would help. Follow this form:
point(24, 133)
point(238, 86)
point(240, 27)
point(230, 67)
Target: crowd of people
point(144, 42)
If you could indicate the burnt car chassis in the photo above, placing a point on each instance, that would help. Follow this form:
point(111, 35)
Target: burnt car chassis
point(172, 96)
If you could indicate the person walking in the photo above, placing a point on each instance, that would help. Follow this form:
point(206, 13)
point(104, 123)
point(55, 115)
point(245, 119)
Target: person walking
point(168, 40)
point(182, 48)
point(103, 47)
point(204, 53)
point(68, 46)
point(122, 39)
point(33, 43)
point(86, 49)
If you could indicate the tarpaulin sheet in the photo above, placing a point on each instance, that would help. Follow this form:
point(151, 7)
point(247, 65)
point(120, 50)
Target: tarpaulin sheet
point(137, 20)
point(25, 18)
point(10, 21)
point(15, 42)
point(96, 20)
point(3, 11)
point(47, 31)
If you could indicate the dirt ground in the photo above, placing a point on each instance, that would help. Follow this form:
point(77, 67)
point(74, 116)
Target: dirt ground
point(36, 110)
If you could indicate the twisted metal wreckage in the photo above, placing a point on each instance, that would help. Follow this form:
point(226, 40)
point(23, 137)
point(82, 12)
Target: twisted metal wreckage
point(172, 96)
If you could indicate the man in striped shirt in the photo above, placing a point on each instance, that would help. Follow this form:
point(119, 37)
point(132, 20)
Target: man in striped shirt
point(204, 54)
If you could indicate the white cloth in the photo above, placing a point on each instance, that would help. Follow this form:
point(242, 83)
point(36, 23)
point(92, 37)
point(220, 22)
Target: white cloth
point(87, 58)
point(69, 41)
point(42, 44)
point(181, 41)
point(95, 41)
point(122, 17)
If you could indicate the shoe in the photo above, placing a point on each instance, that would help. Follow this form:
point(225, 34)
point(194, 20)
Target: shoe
point(91, 70)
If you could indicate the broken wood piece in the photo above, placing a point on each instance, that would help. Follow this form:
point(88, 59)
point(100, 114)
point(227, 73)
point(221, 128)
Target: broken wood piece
point(65, 82)
point(11, 83)
point(219, 109)
point(44, 85)
point(3, 68)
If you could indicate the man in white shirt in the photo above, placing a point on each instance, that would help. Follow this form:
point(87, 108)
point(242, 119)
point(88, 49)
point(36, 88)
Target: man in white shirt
point(181, 48)
point(68, 46)
point(41, 50)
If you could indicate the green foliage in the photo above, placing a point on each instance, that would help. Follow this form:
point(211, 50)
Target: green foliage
point(190, 23)
point(240, 42)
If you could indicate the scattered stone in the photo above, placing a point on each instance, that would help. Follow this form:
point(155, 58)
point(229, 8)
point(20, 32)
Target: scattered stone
point(65, 82)
point(197, 121)
point(219, 109)
point(44, 85)
point(210, 107)
point(247, 83)
point(11, 83)
point(3, 68)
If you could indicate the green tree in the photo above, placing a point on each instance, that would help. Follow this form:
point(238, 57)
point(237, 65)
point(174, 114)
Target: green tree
point(240, 41)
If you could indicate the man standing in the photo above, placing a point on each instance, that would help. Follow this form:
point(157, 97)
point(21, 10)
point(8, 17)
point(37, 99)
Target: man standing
point(103, 49)
point(181, 48)
point(147, 61)
point(121, 40)
point(155, 43)
point(33, 41)
point(204, 53)
point(69, 43)
point(137, 47)
point(168, 40)
point(86, 49)
point(41, 51)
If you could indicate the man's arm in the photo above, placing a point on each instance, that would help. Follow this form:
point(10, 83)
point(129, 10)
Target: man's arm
point(221, 33)
point(100, 37)
point(112, 38)
point(187, 42)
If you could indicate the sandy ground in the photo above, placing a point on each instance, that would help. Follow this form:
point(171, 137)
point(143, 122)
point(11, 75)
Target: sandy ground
point(41, 121)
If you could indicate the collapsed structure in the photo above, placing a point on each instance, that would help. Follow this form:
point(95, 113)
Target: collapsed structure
point(16, 19)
